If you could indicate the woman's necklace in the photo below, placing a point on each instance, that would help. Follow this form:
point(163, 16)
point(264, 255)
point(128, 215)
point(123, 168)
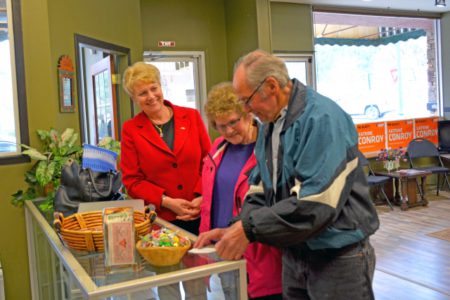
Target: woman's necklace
point(160, 129)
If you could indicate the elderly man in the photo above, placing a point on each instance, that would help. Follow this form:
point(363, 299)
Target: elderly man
point(308, 194)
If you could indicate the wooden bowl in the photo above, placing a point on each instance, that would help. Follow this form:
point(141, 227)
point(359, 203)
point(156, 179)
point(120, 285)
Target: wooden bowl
point(163, 256)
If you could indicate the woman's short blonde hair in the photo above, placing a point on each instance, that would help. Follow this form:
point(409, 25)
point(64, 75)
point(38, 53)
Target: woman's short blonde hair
point(140, 72)
point(222, 101)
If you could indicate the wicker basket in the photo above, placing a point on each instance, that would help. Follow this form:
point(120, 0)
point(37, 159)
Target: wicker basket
point(163, 256)
point(84, 231)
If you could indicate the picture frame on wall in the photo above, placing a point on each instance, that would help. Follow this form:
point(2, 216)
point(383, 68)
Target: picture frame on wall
point(66, 82)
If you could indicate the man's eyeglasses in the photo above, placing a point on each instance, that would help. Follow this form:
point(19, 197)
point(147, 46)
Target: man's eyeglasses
point(246, 102)
point(232, 124)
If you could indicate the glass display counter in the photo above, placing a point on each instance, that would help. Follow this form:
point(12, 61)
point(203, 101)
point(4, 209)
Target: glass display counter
point(56, 272)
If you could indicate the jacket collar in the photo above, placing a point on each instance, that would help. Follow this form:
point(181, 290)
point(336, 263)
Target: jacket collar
point(182, 126)
point(297, 103)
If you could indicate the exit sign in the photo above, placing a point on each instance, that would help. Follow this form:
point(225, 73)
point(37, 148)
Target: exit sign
point(166, 44)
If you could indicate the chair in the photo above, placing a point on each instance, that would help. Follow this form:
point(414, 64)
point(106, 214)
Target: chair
point(375, 180)
point(423, 155)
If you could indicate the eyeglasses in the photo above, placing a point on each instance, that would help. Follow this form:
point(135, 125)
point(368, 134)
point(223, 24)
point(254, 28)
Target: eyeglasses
point(232, 124)
point(246, 102)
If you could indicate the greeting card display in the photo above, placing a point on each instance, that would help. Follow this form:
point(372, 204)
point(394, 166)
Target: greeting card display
point(119, 237)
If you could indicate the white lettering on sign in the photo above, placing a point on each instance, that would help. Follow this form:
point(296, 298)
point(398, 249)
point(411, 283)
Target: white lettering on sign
point(166, 43)
point(363, 140)
point(399, 136)
point(426, 133)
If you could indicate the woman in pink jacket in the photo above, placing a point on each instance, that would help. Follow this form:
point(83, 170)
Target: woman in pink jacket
point(224, 184)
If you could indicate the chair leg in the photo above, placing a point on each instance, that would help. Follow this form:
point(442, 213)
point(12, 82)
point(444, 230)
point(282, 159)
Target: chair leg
point(438, 184)
point(446, 180)
point(419, 188)
point(386, 197)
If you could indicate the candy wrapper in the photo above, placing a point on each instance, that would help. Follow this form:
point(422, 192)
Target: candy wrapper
point(118, 223)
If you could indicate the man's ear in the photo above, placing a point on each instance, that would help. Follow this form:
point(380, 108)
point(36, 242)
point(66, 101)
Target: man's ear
point(273, 84)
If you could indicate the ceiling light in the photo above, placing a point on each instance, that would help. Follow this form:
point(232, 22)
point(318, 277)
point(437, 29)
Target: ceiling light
point(439, 3)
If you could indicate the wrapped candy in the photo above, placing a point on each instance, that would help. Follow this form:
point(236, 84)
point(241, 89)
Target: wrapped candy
point(163, 237)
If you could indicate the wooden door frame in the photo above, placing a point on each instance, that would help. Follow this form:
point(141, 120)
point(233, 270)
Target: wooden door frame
point(87, 42)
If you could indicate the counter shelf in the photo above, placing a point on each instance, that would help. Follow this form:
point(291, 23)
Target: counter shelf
point(56, 272)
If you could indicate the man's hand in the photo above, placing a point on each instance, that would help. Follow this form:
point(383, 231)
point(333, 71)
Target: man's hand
point(207, 238)
point(233, 242)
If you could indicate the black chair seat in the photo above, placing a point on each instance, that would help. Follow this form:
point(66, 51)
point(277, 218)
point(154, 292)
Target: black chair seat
point(375, 180)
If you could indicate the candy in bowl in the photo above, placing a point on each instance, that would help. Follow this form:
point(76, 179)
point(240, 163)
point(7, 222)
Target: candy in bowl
point(163, 247)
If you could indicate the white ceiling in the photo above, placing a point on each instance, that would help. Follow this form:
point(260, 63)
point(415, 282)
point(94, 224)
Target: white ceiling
point(403, 5)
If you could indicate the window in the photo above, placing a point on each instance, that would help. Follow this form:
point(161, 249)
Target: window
point(300, 67)
point(182, 77)
point(13, 113)
point(378, 68)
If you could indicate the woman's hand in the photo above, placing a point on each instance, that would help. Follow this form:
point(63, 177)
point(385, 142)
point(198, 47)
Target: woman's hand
point(194, 210)
point(179, 206)
point(208, 237)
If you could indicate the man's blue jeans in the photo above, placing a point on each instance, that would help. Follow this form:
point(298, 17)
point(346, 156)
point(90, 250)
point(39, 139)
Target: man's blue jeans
point(329, 274)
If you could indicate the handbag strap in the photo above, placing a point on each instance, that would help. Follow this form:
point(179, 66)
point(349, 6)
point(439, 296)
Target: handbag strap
point(103, 194)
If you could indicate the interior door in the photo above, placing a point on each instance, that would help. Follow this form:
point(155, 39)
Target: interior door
point(105, 102)
point(182, 77)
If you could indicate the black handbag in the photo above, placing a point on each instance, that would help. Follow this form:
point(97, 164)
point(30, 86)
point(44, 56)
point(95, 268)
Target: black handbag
point(84, 185)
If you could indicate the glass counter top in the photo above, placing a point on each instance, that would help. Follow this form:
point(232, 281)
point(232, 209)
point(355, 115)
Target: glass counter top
point(87, 270)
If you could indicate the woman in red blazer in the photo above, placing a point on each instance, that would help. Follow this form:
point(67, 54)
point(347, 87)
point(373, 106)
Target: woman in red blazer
point(162, 149)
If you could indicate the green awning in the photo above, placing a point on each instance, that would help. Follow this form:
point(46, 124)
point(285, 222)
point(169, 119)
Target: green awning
point(368, 42)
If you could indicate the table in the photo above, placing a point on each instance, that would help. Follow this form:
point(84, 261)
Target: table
point(59, 273)
point(405, 182)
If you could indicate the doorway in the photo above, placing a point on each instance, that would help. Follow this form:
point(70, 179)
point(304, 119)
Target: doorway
point(102, 103)
point(182, 77)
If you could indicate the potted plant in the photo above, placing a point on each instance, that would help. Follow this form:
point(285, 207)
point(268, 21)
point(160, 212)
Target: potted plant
point(43, 178)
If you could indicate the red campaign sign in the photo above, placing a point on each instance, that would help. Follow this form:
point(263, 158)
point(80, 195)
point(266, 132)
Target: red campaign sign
point(427, 128)
point(399, 133)
point(371, 137)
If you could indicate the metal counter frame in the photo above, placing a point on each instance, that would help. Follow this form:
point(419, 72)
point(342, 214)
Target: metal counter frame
point(63, 261)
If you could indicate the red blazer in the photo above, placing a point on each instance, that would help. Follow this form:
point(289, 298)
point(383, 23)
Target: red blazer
point(151, 169)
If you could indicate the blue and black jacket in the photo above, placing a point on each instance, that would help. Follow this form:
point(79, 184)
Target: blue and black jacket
point(322, 196)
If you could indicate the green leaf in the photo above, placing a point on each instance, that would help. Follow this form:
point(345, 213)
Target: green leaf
point(47, 205)
point(34, 154)
point(43, 134)
point(44, 172)
point(66, 136)
point(30, 177)
point(20, 197)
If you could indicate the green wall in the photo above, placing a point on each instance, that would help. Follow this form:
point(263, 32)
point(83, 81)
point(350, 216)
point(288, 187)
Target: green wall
point(194, 25)
point(48, 32)
point(292, 27)
point(242, 29)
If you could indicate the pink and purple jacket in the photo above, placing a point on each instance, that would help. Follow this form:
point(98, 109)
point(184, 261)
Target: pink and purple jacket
point(263, 261)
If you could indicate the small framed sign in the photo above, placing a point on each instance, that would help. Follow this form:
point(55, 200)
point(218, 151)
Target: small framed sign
point(119, 234)
point(66, 84)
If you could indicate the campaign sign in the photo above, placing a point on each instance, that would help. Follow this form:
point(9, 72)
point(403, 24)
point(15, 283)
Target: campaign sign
point(399, 133)
point(427, 128)
point(371, 137)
